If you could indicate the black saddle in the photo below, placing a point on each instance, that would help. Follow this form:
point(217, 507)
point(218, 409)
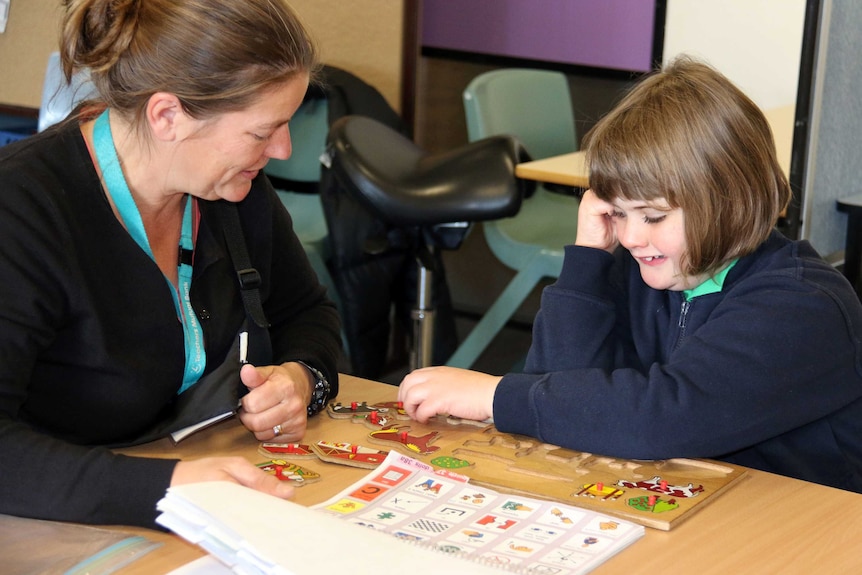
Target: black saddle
point(406, 186)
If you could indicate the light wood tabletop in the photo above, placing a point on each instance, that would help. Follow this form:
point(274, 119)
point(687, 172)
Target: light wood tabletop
point(566, 170)
point(764, 524)
point(571, 170)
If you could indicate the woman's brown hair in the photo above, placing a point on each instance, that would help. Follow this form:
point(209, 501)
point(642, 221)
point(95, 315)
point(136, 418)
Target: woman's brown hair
point(688, 135)
point(215, 55)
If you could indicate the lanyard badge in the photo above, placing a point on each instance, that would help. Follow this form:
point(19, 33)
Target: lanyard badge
point(114, 180)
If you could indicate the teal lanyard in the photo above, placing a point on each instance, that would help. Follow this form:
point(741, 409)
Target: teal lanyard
point(116, 183)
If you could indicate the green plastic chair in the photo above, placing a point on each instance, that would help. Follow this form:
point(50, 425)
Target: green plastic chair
point(308, 129)
point(536, 107)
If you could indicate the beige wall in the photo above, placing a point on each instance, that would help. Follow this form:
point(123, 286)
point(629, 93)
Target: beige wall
point(31, 35)
point(361, 36)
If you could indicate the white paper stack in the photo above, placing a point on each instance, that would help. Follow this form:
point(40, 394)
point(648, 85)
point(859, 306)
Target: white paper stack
point(254, 533)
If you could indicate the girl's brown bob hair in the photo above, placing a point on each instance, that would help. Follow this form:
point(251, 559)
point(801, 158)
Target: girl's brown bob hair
point(688, 135)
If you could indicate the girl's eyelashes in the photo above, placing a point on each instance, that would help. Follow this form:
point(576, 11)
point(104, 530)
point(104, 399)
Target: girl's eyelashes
point(619, 214)
point(649, 220)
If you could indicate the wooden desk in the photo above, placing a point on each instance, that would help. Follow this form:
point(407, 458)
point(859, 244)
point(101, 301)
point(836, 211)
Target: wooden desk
point(566, 170)
point(570, 169)
point(764, 524)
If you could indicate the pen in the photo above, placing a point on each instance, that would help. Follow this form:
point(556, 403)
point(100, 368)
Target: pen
point(243, 347)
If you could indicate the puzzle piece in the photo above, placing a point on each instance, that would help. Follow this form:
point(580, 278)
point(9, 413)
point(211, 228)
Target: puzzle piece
point(340, 411)
point(285, 471)
point(286, 451)
point(448, 462)
point(395, 407)
point(349, 454)
point(399, 435)
point(652, 504)
point(373, 420)
point(658, 485)
point(599, 491)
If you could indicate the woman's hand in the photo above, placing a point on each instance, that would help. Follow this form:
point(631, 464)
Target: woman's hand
point(452, 391)
point(233, 469)
point(595, 224)
point(277, 401)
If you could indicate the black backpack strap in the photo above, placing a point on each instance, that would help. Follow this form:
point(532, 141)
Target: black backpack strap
point(249, 278)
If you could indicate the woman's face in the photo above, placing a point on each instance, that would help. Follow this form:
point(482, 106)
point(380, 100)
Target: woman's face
point(222, 157)
point(654, 234)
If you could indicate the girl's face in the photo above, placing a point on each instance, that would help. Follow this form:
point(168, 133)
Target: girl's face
point(654, 233)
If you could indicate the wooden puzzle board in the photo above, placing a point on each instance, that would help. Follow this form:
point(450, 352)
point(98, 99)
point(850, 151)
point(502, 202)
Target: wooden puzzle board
point(657, 494)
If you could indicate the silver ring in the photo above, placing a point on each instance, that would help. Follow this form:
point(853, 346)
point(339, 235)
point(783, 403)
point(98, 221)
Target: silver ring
point(277, 430)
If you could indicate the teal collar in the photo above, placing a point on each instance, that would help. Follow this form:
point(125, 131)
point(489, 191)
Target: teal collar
point(711, 285)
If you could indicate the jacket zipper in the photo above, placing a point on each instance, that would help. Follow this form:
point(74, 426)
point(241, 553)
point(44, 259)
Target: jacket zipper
point(683, 316)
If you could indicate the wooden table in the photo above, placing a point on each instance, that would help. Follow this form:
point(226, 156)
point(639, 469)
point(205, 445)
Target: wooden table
point(566, 170)
point(764, 524)
point(570, 169)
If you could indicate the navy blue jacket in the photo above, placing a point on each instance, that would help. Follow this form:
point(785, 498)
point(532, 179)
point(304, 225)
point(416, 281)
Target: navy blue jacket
point(766, 373)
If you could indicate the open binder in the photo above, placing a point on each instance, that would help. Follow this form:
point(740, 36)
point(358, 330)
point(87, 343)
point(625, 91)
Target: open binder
point(254, 533)
point(403, 517)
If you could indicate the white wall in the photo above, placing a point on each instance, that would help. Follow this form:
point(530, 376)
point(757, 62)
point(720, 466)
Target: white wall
point(755, 43)
point(834, 145)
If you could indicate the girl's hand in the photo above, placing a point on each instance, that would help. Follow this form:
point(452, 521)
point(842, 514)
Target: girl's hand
point(452, 391)
point(595, 224)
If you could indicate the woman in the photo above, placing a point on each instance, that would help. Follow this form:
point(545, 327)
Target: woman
point(683, 324)
point(121, 317)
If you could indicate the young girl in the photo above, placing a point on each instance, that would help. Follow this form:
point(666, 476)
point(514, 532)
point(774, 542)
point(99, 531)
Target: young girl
point(682, 324)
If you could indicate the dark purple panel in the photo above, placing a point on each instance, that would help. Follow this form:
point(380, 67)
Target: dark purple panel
point(602, 33)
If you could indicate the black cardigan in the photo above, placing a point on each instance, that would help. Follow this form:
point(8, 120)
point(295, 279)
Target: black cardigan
point(91, 347)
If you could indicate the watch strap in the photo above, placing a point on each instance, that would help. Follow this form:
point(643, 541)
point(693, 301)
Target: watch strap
point(320, 392)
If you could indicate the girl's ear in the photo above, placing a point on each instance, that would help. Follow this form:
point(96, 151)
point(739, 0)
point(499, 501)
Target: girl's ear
point(165, 116)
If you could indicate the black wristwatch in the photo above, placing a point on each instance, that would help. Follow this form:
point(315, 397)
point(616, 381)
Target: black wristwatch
point(320, 393)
